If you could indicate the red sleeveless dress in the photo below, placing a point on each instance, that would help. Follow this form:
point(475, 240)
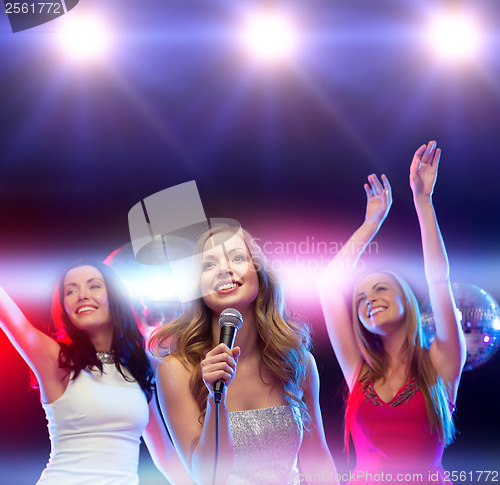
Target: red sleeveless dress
point(392, 440)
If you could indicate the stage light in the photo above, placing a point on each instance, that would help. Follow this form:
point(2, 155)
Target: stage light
point(83, 38)
point(157, 288)
point(269, 37)
point(454, 37)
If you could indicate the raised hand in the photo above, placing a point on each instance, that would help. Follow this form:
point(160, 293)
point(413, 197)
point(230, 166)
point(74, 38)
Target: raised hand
point(219, 365)
point(423, 169)
point(378, 199)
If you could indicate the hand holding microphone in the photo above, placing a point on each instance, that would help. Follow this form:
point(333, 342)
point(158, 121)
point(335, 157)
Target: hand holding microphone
point(219, 366)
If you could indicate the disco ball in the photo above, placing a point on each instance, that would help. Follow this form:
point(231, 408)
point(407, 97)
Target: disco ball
point(479, 315)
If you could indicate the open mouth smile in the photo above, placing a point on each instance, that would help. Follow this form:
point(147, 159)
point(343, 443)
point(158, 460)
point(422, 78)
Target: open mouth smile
point(85, 309)
point(226, 287)
point(376, 310)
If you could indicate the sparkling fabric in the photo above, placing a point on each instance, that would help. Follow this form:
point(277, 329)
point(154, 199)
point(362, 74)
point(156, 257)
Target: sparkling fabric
point(266, 443)
point(392, 439)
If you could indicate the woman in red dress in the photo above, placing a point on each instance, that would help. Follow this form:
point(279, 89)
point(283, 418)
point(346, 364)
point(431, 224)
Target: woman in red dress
point(401, 390)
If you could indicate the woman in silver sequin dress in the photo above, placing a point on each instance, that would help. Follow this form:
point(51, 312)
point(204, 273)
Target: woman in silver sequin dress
point(269, 417)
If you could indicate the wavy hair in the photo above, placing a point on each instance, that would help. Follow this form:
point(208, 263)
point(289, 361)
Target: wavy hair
point(77, 351)
point(283, 343)
point(375, 362)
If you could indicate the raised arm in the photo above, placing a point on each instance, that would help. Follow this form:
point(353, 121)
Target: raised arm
point(314, 455)
point(447, 352)
point(337, 279)
point(195, 440)
point(39, 351)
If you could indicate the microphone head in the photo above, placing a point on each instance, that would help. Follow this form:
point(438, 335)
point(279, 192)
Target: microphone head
point(230, 317)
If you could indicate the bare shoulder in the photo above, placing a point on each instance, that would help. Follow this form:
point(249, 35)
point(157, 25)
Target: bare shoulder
point(173, 379)
point(173, 369)
point(175, 364)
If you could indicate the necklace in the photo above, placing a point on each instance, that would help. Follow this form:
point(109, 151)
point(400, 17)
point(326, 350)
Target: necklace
point(106, 357)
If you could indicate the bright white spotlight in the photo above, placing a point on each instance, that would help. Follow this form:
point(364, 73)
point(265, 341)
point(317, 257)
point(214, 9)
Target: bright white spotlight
point(269, 36)
point(84, 38)
point(454, 36)
point(160, 288)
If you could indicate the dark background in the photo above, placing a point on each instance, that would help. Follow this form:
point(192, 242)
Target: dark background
point(283, 149)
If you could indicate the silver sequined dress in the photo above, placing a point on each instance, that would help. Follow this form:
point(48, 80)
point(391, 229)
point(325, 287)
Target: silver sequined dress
point(265, 446)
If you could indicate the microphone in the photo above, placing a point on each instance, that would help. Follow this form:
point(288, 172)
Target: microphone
point(230, 321)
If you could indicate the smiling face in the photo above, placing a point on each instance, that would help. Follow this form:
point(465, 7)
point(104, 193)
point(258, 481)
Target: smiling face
point(380, 303)
point(86, 299)
point(228, 275)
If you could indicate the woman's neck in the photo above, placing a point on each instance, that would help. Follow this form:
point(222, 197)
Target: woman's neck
point(394, 349)
point(102, 341)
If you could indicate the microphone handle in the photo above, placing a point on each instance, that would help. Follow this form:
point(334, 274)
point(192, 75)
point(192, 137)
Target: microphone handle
point(227, 334)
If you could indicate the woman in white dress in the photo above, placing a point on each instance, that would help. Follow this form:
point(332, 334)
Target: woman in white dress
point(95, 381)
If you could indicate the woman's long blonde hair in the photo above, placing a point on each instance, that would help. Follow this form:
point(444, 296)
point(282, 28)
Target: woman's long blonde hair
point(283, 343)
point(375, 363)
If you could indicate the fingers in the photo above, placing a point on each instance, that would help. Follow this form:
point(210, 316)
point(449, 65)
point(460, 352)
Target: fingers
point(219, 365)
point(429, 153)
point(426, 155)
point(386, 184)
point(374, 187)
point(423, 169)
point(387, 189)
point(437, 157)
point(236, 353)
point(420, 152)
point(368, 191)
point(417, 159)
